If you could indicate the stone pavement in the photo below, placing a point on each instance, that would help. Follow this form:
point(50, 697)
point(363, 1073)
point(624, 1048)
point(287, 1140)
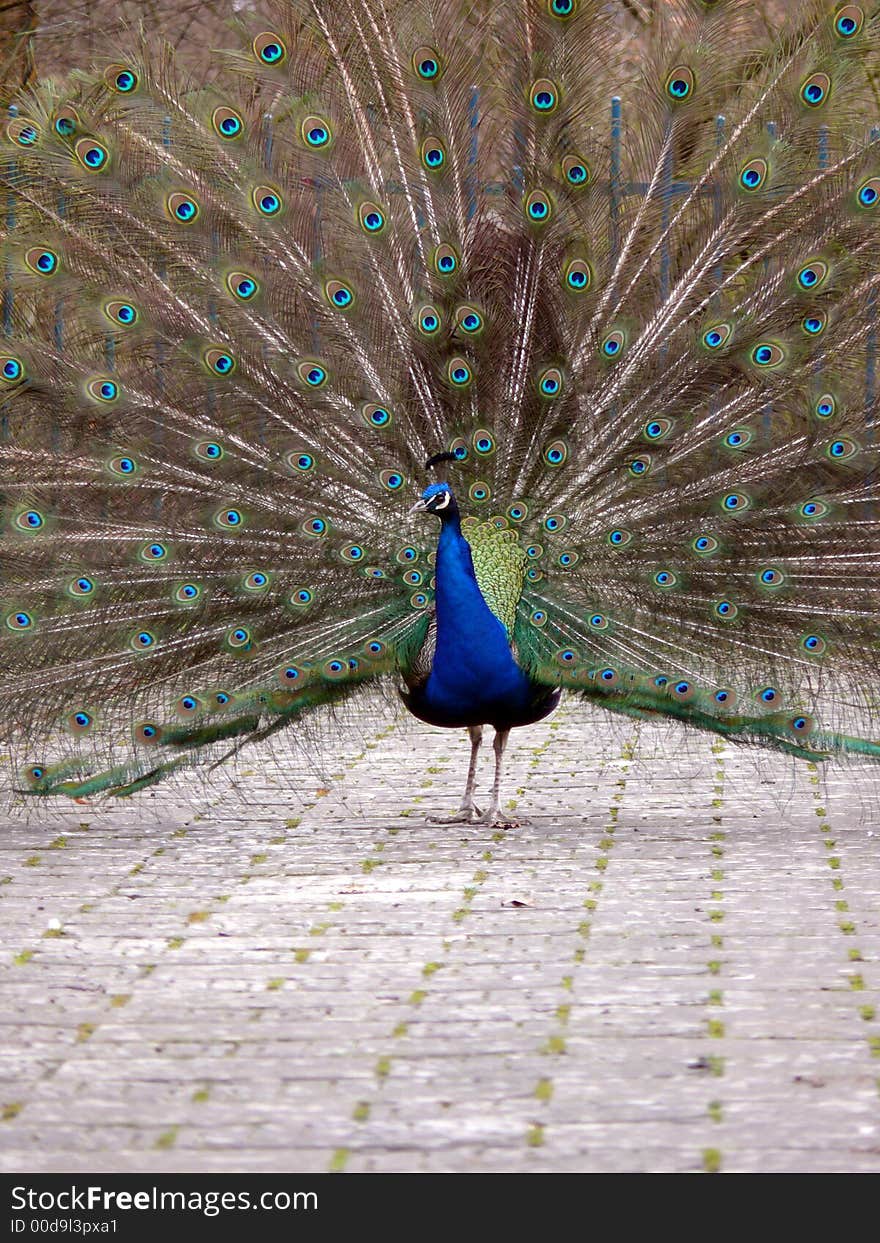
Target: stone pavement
point(674, 965)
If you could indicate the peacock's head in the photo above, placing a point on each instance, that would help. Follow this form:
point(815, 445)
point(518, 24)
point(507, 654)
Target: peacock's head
point(437, 499)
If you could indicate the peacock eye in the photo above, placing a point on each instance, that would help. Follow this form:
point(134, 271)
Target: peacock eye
point(92, 155)
point(814, 92)
point(459, 373)
point(576, 171)
point(103, 390)
point(848, 21)
point(680, 84)
point(555, 453)
point(725, 610)
point(550, 383)
point(11, 369)
point(544, 96)
point(23, 132)
point(826, 406)
point(371, 217)
point(563, 9)
point(446, 259)
point(612, 345)
point(433, 154)
point(753, 175)
point(538, 207)
point(767, 354)
point(182, 207)
point(376, 416)
point(122, 313)
point(121, 79)
point(267, 200)
point(219, 361)
point(242, 285)
point(427, 63)
point(578, 276)
point(227, 123)
point(269, 48)
point(339, 294)
point(392, 480)
point(868, 194)
point(41, 260)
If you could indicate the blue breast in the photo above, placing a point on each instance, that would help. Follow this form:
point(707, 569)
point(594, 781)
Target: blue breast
point(474, 679)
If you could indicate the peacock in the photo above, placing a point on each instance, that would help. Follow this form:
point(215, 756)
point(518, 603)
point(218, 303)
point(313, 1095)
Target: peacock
point(446, 347)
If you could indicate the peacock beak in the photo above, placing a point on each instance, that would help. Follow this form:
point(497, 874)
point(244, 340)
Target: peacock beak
point(420, 506)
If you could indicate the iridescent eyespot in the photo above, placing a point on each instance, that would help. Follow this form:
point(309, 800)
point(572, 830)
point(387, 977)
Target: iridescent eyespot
point(842, 450)
point(767, 354)
point(392, 480)
point(312, 374)
point(427, 63)
point(657, 430)
point(373, 571)
point(182, 207)
point(23, 132)
point(459, 372)
point(121, 78)
point(19, 620)
point(566, 656)
point(576, 171)
point(92, 155)
point(316, 133)
point(352, 552)
point(429, 321)
point(848, 21)
point(219, 361)
point(479, 491)
point(725, 610)
point(302, 598)
point(680, 84)
point(29, 520)
point(814, 644)
point(41, 260)
point(469, 320)
point(682, 691)
point(371, 218)
point(533, 574)
point(537, 207)
point(618, 538)
point(705, 545)
point(300, 461)
point(103, 390)
point(229, 519)
point(433, 154)
point(459, 449)
point(186, 593)
point(66, 121)
point(289, 675)
point(538, 617)
point(612, 345)
point(122, 313)
point(813, 509)
point(563, 9)
point(376, 416)
point(373, 648)
point(640, 466)
point(147, 732)
point(735, 502)
point(739, 438)
point(753, 175)
point(339, 295)
point(544, 96)
point(554, 522)
point(257, 581)
point(239, 638)
point(716, 336)
point(801, 724)
point(267, 200)
point(316, 527)
point(188, 705)
point(222, 699)
point(868, 193)
point(154, 551)
point(123, 465)
point(769, 695)
point(534, 551)
point(81, 587)
point(269, 48)
point(555, 453)
point(446, 259)
point(413, 578)
point(209, 451)
point(825, 406)
point(812, 274)
point(518, 511)
point(11, 369)
point(814, 91)
point(418, 600)
point(406, 555)
point(227, 123)
point(242, 285)
point(770, 577)
point(142, 641)
point(483, 442)
point(725, 698)
point(598, 621)
point(609, 677)
point(578, 276)
point(665, 579)
point(550, 382)
point(567, 559)
point(814, 324)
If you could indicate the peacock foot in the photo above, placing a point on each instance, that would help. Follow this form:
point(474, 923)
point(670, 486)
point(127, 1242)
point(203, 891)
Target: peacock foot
point(498, 820)
point(464, 815)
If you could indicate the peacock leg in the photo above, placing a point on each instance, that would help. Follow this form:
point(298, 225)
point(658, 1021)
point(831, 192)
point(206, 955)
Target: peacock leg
point(468, 812)
point(491, 815)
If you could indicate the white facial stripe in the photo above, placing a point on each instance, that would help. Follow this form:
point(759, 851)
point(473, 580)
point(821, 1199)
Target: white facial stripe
point(442, 504)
